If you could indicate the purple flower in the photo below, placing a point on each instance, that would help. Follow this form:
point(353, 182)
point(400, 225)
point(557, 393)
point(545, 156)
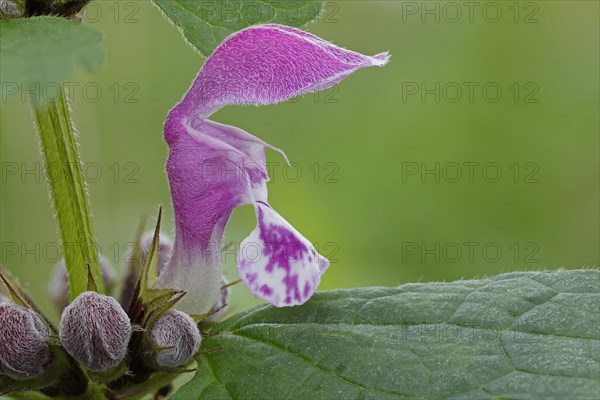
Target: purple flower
point(214, 168)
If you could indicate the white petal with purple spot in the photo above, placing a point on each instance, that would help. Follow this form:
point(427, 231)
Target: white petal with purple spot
point(277, 263)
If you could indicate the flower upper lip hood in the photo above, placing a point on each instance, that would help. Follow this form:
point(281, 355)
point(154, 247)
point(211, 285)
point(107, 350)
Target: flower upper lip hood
point(214, 168)
point(268, 64)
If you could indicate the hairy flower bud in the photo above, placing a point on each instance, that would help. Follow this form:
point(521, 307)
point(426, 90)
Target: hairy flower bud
point(95, 331)
point(179, 332)
point(12, 8)
point(24, 353)
point(58, 289)
point(165, 247)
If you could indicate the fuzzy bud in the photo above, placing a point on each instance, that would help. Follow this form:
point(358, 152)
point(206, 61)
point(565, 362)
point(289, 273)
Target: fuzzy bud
point(165, 247)
point(12, 8)
point(95, 331)
point(58, 289)
point(179, 332)
point(24, 353)
point(219, 308)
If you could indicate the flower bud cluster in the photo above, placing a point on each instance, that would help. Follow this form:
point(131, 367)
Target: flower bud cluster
point(97, 332)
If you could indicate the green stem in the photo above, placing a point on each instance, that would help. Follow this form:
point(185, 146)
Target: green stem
point(95, 392)
point(63, 172)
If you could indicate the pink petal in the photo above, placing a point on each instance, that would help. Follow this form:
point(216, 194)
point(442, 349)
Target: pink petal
point(268, 64)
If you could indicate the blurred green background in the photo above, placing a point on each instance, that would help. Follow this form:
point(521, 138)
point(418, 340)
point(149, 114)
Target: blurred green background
point(369, 208)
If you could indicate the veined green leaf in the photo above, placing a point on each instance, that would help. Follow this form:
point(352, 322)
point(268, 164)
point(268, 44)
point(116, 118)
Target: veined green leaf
point(205, 24)
point(43, 50)
point(528, 335)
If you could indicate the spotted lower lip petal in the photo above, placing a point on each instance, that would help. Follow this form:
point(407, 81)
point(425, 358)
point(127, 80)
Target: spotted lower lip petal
point(277, 263)
point(214, 168)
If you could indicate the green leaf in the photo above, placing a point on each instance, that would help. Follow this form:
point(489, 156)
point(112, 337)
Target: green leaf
point(205, 24)
point(150, 270)
point(528, 335)
point(46, 50)
point(68, 193)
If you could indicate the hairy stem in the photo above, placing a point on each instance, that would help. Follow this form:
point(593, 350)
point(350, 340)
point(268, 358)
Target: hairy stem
point(63, 173)
point(96, 392)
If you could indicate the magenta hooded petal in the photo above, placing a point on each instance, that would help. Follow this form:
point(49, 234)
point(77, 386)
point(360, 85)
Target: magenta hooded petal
point(214, 168)
point(268, 64)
